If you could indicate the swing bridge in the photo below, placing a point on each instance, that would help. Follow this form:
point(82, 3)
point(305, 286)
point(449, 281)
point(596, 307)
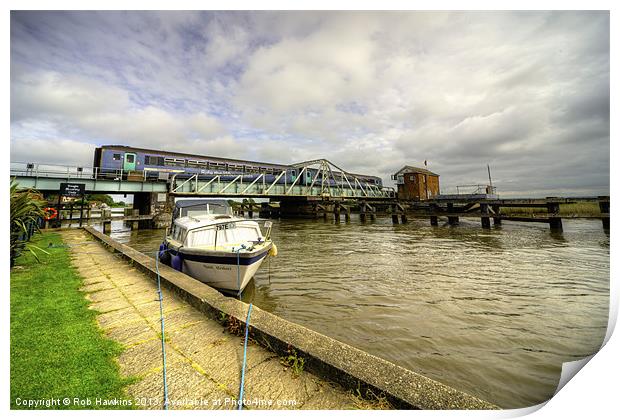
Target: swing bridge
point(316, 179)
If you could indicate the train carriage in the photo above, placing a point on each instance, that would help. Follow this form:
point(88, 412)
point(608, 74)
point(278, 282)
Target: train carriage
point(117, 161)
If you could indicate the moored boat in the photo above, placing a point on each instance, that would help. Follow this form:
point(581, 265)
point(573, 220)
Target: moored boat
point(211, 245)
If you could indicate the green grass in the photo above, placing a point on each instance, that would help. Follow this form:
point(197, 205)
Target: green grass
point(575, 209)
point(57, 350)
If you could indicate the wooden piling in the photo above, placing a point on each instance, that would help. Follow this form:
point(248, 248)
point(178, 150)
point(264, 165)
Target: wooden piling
point(394, 214)
point(497, 220)
point(337, 213)
point(553, 211)
point(452, 220)
point(603, 205)
point(484, 218)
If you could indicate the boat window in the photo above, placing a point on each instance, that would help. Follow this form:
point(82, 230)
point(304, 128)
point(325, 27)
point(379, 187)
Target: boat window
point(179, 234)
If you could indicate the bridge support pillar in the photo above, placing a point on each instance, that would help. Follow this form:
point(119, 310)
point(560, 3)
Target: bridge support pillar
point(305, 208)
point(159, 205)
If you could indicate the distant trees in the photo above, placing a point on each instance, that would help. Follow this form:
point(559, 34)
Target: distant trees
point(102, 198)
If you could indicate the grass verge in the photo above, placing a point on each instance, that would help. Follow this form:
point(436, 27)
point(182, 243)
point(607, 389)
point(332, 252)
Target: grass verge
point(57, 349)
point(573, 209)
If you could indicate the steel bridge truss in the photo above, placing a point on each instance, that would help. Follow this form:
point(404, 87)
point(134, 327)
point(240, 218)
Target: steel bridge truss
point(328, 181)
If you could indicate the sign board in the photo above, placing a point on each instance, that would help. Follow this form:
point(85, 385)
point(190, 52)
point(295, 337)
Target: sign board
point(69, 189)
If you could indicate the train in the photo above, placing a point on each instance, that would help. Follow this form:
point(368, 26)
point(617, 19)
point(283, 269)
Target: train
point(149, 164)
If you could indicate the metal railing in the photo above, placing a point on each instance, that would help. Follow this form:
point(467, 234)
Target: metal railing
point(327, 180)
point(46, 170)
point(475, 189)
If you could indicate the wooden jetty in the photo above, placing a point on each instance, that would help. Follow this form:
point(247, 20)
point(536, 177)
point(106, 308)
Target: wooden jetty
point(454, 207)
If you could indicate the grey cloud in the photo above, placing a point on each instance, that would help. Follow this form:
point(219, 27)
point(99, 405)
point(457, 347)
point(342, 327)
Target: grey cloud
point(527, 92)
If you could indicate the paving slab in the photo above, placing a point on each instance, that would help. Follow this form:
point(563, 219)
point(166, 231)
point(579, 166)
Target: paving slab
point(204, 359)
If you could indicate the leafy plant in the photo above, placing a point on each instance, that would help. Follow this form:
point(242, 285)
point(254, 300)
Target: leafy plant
point(293, 361)
point(26, 211)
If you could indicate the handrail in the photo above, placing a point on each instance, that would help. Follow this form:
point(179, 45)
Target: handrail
point(344, 184)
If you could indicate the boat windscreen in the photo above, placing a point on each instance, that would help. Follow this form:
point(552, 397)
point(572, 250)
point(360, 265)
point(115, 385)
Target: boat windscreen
point(198, 208)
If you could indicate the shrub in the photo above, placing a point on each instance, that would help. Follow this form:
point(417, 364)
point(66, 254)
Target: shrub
point(26, 211)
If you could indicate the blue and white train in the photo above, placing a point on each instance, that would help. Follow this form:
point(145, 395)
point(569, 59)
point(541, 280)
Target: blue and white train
point(112, 160)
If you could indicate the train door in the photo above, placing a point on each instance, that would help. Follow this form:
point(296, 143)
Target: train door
point(130, 162)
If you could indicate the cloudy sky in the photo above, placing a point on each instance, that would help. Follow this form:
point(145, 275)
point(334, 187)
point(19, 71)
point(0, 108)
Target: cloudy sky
point(526, 92)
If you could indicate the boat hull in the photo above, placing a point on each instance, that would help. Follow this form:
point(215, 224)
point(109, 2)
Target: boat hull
point(220, 270)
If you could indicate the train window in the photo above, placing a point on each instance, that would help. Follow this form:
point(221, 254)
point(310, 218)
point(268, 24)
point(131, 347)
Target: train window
point(129, 158)
point(195, 163)
point(174, 162)
point(116, 156)
point(293, 172)
point(154, 160)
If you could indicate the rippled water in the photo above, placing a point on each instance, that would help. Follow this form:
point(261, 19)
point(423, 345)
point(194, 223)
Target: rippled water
point(493, 313)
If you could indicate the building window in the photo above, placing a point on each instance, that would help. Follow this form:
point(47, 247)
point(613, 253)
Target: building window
point(412, 178)
point(116, 156)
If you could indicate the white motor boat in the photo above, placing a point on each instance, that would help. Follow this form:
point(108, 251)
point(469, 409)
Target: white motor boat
point(211, 245)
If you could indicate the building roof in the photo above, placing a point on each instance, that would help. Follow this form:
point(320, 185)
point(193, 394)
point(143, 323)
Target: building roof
point(414, 170)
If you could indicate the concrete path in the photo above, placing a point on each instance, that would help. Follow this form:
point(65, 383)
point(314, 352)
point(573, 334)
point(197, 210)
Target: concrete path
point(203, 359)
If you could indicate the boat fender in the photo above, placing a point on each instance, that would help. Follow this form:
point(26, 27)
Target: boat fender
point(273, 251)
point(164, 257)
point(177, 262)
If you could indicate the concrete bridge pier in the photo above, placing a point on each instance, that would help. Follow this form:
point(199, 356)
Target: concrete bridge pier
point(160, 205)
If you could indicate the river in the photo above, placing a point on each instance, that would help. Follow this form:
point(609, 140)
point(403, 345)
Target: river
point(490, 312)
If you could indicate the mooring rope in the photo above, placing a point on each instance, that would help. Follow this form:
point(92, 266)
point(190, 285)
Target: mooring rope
point(163, 337)
point(245, 350)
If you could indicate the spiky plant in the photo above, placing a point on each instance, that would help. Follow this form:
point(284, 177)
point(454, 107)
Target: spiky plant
point(26, 210)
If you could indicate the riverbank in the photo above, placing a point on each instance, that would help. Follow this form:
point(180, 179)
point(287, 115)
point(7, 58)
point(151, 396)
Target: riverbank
point(57, 350)
point(203, 359)
point(358, 372)
point(584, 209)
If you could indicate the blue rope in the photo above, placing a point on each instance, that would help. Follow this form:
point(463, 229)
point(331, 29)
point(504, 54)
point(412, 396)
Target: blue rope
point(245, 351)
point(161, 317)
point(238, 271)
